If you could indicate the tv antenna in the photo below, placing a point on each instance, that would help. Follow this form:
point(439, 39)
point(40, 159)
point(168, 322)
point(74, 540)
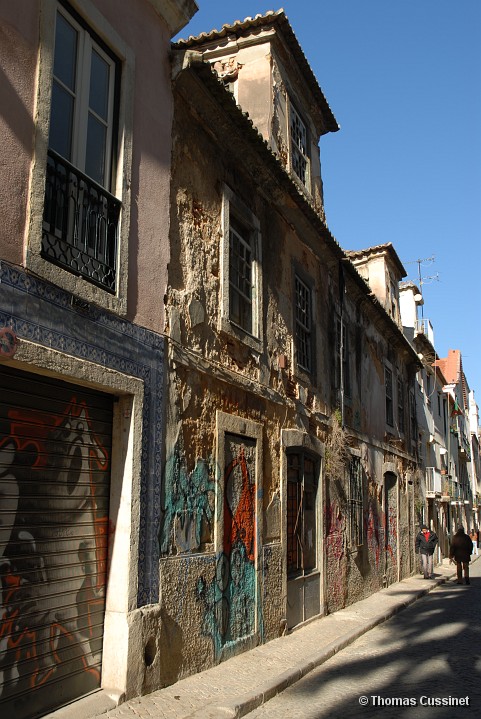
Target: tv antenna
point(422, 280)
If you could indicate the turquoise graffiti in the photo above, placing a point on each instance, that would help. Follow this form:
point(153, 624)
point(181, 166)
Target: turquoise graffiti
point(188, 510)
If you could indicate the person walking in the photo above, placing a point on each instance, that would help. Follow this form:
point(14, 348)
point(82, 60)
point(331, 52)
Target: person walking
point(473, 535)
point(460, 551)
point(425, 545)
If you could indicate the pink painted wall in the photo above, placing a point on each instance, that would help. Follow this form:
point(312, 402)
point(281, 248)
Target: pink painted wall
point(148, 37)
point(18, 59)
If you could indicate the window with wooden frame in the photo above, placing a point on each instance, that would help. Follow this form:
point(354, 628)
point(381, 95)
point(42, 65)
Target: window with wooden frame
point(400, 404)
point(389, 396)
point(241, 286)
point(81, 216)
point(299, 147)
point(343, 375)
point(303, 325)
point(241, 274)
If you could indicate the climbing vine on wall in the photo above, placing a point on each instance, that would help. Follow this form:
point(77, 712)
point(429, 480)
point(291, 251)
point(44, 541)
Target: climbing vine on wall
point(336, 456)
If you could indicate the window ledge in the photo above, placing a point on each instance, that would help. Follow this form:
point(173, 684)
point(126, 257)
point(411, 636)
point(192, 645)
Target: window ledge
point(229, 328)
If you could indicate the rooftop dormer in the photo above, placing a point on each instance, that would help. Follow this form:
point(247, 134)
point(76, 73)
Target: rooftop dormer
point(261, 62)
point(382, 269)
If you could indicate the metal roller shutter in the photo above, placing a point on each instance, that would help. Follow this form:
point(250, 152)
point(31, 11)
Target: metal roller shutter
point(55, 449)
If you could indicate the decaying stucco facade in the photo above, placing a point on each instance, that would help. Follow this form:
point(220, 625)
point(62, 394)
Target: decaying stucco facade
point(276, 393)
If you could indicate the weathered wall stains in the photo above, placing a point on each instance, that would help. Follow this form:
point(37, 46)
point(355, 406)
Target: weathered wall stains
point(336, 567)
point(54, 477)
point(188, 511)
point(373, 530)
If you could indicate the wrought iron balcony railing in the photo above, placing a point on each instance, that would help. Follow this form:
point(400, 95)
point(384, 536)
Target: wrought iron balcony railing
point(80, 224)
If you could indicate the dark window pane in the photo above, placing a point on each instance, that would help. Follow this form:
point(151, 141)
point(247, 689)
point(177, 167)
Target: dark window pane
point(240, 276)
point(303, 325)
point(95, 155)
point(61, 121)
point(99, 86)
point(64, 67)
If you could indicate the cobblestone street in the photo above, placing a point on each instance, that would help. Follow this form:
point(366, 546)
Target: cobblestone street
point(428, 652)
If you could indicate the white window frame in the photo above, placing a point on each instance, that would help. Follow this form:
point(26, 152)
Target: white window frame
point(232, 206)
point(294, 147)
point(86, 46)
point(120, 186)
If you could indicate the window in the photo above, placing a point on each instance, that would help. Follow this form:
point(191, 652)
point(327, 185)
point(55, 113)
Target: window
point(343, 374)
point(412, 415)
point(299, 152)
point(240, 275)
point(355, 502)
point(301, 513)
point(303, 325)
point(241, 272)
point(389, 397)
point(81, 216)
point(429, 388)
point(400, 405)
point(394, 301)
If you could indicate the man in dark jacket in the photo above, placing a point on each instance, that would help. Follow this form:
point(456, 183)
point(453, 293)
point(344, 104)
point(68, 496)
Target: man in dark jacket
point(425, 545)
point(460, 551)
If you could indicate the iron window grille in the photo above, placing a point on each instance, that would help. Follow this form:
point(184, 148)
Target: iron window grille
point(301, 514)
point(355, 501)
point(80, 224)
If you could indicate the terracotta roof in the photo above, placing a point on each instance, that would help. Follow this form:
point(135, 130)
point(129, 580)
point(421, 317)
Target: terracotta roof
point(451, 366)
point(245, 27)
point(386, 247)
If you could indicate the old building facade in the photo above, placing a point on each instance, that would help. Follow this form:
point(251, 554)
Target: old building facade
point(289, 478)
point(85, 155)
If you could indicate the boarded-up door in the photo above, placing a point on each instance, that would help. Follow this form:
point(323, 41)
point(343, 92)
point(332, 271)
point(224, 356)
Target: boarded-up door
point(55, 448)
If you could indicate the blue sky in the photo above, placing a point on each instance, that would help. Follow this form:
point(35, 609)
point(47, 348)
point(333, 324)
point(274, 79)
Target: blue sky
point(403, 78)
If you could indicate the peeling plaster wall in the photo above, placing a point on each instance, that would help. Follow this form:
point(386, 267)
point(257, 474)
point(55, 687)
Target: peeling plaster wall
point(211, 370)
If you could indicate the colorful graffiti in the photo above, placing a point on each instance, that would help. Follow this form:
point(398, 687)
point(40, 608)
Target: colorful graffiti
point(230, 600)
point(54, 492)
point(189, 499)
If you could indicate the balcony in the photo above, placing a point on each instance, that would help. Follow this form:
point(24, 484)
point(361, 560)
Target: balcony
point(433, 482)
point(424, 327)
point(80, 224)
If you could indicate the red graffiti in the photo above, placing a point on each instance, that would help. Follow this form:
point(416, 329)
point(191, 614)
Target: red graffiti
point(239, 521)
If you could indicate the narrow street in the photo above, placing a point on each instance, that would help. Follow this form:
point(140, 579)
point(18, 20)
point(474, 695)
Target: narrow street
point(403, 668)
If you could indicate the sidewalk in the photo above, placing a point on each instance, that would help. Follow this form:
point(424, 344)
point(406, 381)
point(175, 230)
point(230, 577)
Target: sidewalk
point(242, 683)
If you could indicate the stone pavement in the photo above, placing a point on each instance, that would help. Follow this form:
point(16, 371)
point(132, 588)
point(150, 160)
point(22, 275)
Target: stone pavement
point(424, 663)
point(242, 683)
